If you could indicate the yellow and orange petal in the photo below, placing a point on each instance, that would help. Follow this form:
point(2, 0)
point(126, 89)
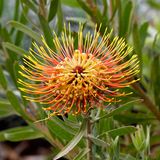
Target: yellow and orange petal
point(73, 80)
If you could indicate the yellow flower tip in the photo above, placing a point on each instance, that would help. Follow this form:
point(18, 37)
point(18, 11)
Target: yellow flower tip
point(75, 80)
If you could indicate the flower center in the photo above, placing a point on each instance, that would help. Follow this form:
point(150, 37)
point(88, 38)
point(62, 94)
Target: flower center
point(78, 75)
point(78, 69)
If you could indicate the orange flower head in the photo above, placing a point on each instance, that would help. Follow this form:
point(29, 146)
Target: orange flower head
point(68, 79)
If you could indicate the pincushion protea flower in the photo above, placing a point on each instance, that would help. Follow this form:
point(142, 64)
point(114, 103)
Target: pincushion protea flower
point(69, 79)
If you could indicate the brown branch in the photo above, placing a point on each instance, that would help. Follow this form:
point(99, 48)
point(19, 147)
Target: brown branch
point(42, 9)
point(146, 100)
point(91, 4)
point(89, 142)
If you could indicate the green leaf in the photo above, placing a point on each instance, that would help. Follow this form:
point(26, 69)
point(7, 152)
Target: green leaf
point(136, 39)
point(125, 19)
point(16, 14)
point(31, 5)
point(94, 13)
point(137, 44)
point(81, 155)
point(115, 5)
point(23, 20)
point(5, 108)
point(132, 118)
point(120, 131)
point(105, 9)
point(155, 139)
point(126, 157)
point(5, 35)
point(143, 33)
point(16, 104)
point(52, 12)
point(59, 131)
point(155, 79)
point(26, 30)
point(19, 134)
point(14, 48)
point(154, 4)
point(71, 121)
point(84, 6)
point(46, 31)
point(73, 142)
point(1, 7)
point(118, 110)
point(63, 125)
point(60, 17)
point(70, 3)
point(3, 80)
point(16, 10)
point(9, 67)
point(97, 141)
point(77, 19)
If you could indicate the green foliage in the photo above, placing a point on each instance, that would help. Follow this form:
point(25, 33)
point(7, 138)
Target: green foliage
point(19, 134)
point(105, 134)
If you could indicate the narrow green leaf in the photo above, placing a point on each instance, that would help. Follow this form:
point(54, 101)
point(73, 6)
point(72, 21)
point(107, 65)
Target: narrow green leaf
point(127, 14)
point(14, 48)
point(23, 20)
point(120, 131)
point(155, 79)
point(60, 17)
point(16, 14)
point(46, 31)
point(98, 142)
point(84, 6)
point(143, 33)
point(81, 155)
point(154, 4)
point(10, 69)
point(5, 35)
point(5, 108)
point(16, 104)
point(70, 3)
point(73, 142)
point(155, 139)
point(95, 14)
point(31, 5)
point(126, 19)
point(52, 12)
point(115, 9)
point(26, 30)
point(124, 156)
point(1, 7)
point(19, 134)
point(118, 110)
point(120, 15)
point(137, 44)
point(59, 131)
point(3, 80)
point(76, 19)
point(136, 39)
point(105, 9)
point(131, 118)
point(62, 124)
point(16, 10)
point(71, 121)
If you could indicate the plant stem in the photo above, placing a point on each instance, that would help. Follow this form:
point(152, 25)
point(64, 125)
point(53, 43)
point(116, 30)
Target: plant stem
point(89, 142)
point(42, 9)
point(91, 3)
point(146, 100)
